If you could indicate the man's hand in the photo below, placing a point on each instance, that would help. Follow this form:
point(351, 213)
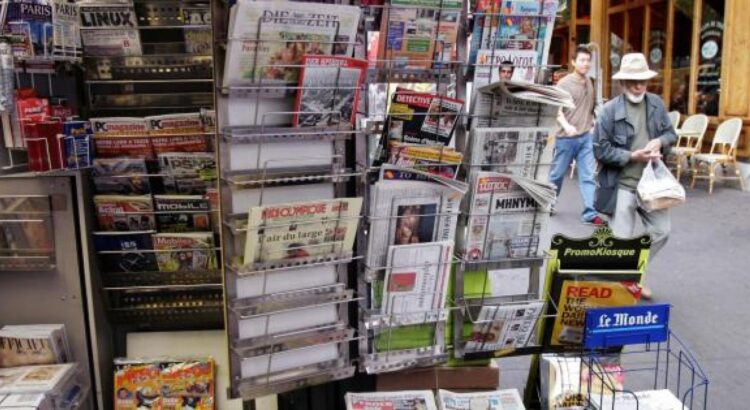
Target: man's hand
point(644, 155)
point(654, 146)
point(570, 130)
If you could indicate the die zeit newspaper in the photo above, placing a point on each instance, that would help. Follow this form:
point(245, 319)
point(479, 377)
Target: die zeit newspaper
point(504, 221)
point(406, 399)
point(302, 231)
point(575, 296)
point(267, 39)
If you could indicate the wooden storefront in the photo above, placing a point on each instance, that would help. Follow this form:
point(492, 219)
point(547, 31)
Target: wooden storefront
point(701, 49)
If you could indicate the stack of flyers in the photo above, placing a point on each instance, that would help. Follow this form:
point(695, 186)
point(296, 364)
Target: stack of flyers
point(189, 251)
point(126, 251)
point(125, 212)
point(121, 176)
point(182, 213)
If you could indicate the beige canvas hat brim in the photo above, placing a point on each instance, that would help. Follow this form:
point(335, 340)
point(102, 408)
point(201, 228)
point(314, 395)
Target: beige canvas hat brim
point(642, 75)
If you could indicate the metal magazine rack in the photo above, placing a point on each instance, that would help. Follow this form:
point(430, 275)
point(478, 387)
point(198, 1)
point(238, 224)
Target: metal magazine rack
point(288, 316)
point(130, 70)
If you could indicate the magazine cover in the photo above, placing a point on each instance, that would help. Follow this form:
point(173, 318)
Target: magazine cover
point(410, 37)
point(421, 118)
point(25, 345)
point(121, 176)
point(190, 251)
point(401, 400)
point(288, 30)
point(504, 327)
point(490, 63)
point(188, 164)
point(442, 161)
point(124, 212)
point(416, 282)
point(447, 33)
point(508, 399)
point(77, 151)
point(110, 30)
point(180, 143)
point(119, 251)
point(301, 231)
point(29, 22)
point(182, 213)
point(188, 385)
point(110, 137)
point(117, 126)
point(574, 296)
point(175, 123)
point(36, 379)
point(137, 385)
point(407, 211)
point(66, 20)
point(179, 185)
point(329, 90)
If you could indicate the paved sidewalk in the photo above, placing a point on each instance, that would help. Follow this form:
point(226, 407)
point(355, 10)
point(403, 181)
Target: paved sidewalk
point(704, 272)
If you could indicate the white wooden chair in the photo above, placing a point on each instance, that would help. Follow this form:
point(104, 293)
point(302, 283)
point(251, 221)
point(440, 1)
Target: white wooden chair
point(674, 117)
point(723, 152)
point(690, 139)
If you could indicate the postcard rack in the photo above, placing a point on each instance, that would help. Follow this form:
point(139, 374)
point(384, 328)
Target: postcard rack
point(288, 309)
point(27, 233)
point(167, 42)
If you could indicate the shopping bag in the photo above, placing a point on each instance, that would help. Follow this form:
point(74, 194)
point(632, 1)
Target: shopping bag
point(658, 188)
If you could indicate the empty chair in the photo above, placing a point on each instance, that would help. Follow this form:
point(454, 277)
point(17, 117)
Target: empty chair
point(690, 140)
point(674, 117)
point(723, 152)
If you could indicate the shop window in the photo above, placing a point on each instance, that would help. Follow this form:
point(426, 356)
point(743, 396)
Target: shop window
point(709, 57)
point(681, 45)
point(636, 18)
point(616, 47)
point(657, 43)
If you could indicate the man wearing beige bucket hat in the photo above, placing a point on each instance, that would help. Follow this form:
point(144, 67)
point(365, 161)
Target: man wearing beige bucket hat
point(631, 129)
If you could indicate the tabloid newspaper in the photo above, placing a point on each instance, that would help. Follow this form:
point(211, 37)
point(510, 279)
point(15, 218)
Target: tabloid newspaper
point(416, 282)
point(508, 399)
point(421, 118)
point(517, 151)
point(518, 104)
point(182, 213)
point(267, 39)
point(121, 176)
point(110, 30)
point(504, 220)
point(23, 345)
point(490, 62)
point(189, 251)
point(398, 400)
point(504, 327)
point(302, 231)
point(125, 212)
point(438, 160)
point(329, 90)
point(411, 207)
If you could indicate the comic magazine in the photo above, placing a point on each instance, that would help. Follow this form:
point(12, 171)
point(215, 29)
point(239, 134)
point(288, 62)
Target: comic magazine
point(329, 90)
point(124, 212)
point(137, 385)
point(182, 213)
point(185, 251)
point(289, 30)
point(188, 385)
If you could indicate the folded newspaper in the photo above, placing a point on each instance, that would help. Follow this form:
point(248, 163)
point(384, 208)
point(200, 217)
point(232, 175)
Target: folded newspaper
point(504, 327)
point(302, 231)
point(410, 207)
point(515, 150)
point(518, 104)
point(508, 399)
point(397, 400)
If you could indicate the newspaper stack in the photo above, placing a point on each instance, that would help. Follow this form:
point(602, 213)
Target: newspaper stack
point(508, 399)
point(406, 400)
point(544, 193)
point(640, 400)
point(518, 104)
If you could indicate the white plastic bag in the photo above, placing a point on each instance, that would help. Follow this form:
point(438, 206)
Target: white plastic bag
point(658, 189)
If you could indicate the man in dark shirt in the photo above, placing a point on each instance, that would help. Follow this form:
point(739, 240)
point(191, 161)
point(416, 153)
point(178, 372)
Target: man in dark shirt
point(632, 129)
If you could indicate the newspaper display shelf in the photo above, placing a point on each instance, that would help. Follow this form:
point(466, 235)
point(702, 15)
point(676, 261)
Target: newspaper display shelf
point(288, 320)
point(28, 219)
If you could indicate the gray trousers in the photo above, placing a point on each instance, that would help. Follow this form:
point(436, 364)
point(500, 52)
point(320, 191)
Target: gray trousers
point(623, 222)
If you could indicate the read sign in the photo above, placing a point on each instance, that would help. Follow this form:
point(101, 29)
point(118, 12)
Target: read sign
point(622, 325)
